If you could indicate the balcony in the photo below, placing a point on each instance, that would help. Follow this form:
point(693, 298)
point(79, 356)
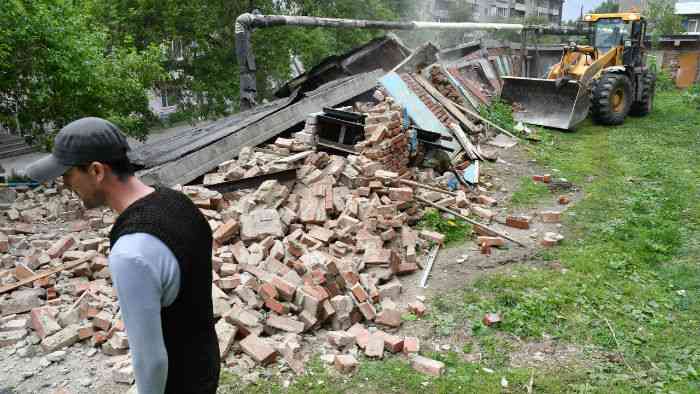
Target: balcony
point(688, 8)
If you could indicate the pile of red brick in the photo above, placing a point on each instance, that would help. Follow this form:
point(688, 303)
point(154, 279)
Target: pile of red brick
point(322, 251)
point(386, 142)
point(435, 107)
point(325, 250)
point(441, 82)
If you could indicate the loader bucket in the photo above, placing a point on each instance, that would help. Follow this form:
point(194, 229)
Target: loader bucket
point(541, 103)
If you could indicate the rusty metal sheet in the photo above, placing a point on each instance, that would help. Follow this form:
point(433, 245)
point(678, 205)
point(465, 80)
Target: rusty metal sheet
point(688, 69)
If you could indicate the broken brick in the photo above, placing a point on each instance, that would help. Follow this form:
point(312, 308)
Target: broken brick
point(4, 243)
point(44, 321)
point(388, 317)
point(284, 287)
point(340, 339)
point(258, 350)
point(411, 345)
point(375, 345)
point(276, 306)
point(520, 222)
point(427, 366)
point(551, 239)
point(491, 241)
point(61, 246)
point(393, 343)
point(367, 310)
point(345, 363)
point(491, 318)
point(360, 293)
point(432, 236)
point(226, 333)
point(61, 339)
point(285, 324)
point(260, 224)
point(401, 194)
point(360, 333)
point(226, 231)
point(551, 216)
point(417, 308)
point(103, 321)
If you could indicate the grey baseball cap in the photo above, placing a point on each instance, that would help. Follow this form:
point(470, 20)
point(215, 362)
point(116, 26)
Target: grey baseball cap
point(80, 142)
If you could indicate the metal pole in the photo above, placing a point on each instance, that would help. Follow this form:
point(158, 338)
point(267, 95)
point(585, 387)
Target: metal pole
point(245, 24)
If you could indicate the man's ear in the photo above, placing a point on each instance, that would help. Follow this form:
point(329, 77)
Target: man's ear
point(97, 170)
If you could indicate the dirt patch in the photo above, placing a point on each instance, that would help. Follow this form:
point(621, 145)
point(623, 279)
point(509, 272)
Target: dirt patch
point(460, 265)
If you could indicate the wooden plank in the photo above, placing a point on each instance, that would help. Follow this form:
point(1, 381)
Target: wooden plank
point(470, 221)
point(467, 145)
point(349, 149)
point(484, 120)
point(426, 187)
point(90, 255)
point(253, 182)
point(429, 265)
point(152, 154)
point(197, 163)
point(445, 102)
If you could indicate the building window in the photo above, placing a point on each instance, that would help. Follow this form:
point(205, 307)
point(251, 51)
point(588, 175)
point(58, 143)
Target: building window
point(441, 5)
point(168, 98)
point(693, 26)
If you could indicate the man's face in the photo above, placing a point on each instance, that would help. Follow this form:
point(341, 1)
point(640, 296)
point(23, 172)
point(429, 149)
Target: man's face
point(86, 183)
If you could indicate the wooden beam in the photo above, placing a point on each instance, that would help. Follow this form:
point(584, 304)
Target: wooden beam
point(484, 120)
point(466, 143)
point(426, 187)
point(429, 265)
point(447, 103)
point(470, 221)
point(196, 164)
point(90, 255)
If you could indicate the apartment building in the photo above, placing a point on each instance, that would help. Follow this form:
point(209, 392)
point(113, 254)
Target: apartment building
point(494, 10)
point(690, 10)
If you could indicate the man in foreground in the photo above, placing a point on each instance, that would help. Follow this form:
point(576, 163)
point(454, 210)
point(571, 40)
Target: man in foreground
point(160, 258)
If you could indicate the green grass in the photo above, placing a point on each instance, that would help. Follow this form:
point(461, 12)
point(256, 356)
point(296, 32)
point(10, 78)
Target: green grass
point(529, 192)
point(630, 284)
point(454, 230)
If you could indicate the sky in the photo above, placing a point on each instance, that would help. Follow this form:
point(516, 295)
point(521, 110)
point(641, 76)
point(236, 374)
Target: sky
point(572, 8)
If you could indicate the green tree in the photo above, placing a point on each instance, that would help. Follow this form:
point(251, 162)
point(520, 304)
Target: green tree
point(609, 6)
point(206, 73)
point(662, 18)
point(55, 67)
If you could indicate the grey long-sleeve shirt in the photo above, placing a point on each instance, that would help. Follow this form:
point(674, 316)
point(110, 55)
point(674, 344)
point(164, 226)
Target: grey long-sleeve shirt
point(146, 275)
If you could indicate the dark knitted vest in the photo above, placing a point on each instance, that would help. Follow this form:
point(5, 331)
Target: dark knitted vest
point(188, 323)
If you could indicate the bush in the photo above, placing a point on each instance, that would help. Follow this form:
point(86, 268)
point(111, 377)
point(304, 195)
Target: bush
point(692, 96)
point(500, 113)
point(455, 230)
point(664, 82)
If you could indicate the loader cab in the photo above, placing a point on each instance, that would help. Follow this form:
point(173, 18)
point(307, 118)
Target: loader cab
point(624, 31)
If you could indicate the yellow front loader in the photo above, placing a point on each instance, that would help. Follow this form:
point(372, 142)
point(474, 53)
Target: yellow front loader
point(608, 79)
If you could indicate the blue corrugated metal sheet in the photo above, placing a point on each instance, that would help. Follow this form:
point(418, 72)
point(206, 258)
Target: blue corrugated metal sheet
point(419, 113)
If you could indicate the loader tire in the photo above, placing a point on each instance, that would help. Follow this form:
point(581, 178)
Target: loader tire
point(644, 106)
point(611, 99)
